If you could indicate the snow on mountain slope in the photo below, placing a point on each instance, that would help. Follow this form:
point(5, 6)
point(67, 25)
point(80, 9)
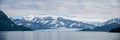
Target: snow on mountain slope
point(29, 18)
point(56, 22)
point(107, 26)
point(113, 20)
point(46, 22)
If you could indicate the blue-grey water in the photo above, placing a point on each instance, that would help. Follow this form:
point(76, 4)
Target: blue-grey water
point(57, 35)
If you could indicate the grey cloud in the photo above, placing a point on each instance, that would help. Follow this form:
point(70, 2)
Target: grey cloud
point(58, 7)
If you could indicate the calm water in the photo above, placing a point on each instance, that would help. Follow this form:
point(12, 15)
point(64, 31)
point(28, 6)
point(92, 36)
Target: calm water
point(58, 35)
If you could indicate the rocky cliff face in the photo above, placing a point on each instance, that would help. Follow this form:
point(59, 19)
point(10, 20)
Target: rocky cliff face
point(7, 25)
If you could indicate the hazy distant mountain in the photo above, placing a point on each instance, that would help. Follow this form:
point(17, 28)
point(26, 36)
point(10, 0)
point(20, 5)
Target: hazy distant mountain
point(109, 25)
point(46, 22)
point(7, 25)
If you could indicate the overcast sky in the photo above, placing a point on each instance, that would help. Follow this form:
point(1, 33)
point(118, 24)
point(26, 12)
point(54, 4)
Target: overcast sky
point(92, 10)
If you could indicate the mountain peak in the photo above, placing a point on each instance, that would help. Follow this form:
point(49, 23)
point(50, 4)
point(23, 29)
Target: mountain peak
point(29, 18)
point(114, 20)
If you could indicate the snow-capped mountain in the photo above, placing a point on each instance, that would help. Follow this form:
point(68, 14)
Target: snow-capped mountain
point(107, 26)
point(29, 18)
point(56, 22)
point(47, 22)
point(114, 20)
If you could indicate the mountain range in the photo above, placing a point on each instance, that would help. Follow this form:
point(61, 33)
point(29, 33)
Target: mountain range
point(50, 22)
point(109, 25)
point(32, 22)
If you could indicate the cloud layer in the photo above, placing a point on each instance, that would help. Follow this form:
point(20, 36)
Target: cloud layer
point(75, 8)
